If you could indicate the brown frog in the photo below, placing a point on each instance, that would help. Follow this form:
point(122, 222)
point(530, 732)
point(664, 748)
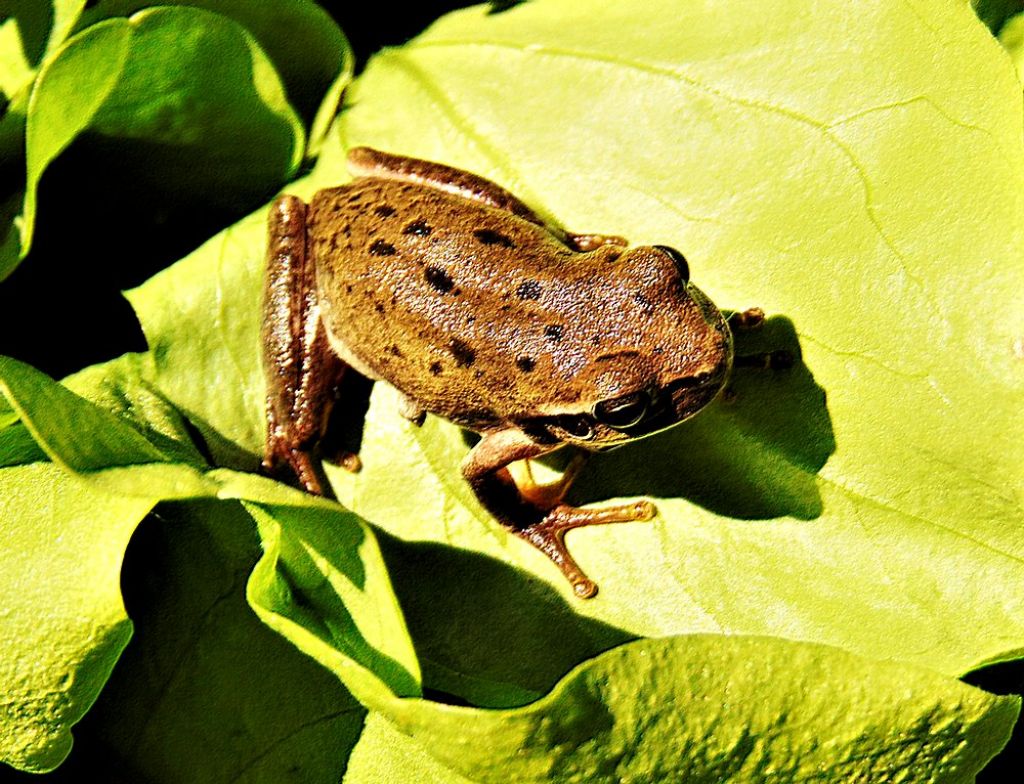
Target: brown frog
point(452, 290)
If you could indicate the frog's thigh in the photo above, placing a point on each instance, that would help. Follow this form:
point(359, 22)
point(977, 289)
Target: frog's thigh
point(302, 371)
point(367, 162)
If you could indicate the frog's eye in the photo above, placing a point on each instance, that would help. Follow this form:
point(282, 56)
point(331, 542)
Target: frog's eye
point(576, 426)
point(678, 259)
point(623, 412)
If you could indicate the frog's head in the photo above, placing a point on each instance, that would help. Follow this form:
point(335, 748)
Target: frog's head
point(673, 358)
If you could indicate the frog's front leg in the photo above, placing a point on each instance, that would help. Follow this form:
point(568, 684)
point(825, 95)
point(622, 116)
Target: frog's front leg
point(302, 371)
point(486, 470)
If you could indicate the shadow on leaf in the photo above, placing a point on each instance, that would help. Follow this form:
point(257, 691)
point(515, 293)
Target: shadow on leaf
point(487, 633)
point(752, 454)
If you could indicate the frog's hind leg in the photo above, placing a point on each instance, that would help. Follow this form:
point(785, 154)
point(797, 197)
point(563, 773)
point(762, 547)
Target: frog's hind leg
point(367, 162)
point(301, 369)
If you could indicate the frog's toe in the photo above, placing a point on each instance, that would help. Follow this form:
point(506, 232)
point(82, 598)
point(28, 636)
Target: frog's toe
point(751, 318)
point(585, 588)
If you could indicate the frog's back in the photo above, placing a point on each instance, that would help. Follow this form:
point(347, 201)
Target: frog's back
point(472, 312)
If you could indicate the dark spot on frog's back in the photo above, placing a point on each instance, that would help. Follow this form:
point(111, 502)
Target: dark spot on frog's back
point(463, 353)
point(646, 307)
point(381, 248)
point(438, 278)
point(528, 289)
point(417, 228)
point(525, 364)
point(554, 332)
point(435, 368)
point(384, 211)
point(489, 237)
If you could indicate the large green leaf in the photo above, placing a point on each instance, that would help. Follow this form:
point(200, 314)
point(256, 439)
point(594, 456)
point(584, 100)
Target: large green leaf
point(841, 210)
point(704, 708)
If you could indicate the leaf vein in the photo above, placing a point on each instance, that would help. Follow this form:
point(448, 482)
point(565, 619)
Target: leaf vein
point(695, 83)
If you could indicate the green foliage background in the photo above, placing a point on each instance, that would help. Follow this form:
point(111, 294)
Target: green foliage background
point(836, 549)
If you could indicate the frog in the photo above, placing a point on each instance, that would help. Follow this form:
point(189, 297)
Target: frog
point(449, 288)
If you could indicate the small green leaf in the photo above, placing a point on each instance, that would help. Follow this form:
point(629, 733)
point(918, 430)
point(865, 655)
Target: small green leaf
point(68, 92)
point(62, 625)
point(28, 32)
point(118, 456)
point(322, 583)
point(170, 84)
point(307, 48)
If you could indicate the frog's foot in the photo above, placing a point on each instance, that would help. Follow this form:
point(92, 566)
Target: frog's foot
point(588, 242)
point(299, 461)
point(751, 318)
point(343, 458)
point(548, 535)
